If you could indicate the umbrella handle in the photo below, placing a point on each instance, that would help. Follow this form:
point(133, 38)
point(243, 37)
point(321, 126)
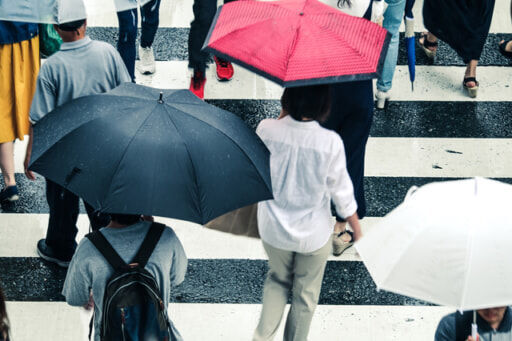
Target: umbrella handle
point(474, 331)
point(410, 192)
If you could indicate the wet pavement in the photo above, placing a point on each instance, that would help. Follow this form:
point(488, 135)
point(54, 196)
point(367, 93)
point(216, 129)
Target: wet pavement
point(207, 281)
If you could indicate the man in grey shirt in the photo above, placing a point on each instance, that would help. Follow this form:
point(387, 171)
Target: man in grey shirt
point(89, 272)
point(494, 324)
point(82, 67)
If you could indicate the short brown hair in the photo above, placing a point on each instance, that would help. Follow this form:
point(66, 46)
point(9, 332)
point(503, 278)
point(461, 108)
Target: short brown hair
point(313, 102)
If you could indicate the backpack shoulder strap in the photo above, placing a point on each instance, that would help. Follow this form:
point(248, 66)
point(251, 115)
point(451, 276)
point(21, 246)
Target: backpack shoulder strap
point(101, 243)
point(148, 245)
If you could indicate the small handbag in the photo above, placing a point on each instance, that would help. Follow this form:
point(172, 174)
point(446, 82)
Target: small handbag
point(241, 222)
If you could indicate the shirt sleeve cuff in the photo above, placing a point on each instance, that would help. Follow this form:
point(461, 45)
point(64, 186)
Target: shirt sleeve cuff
point(347, 210)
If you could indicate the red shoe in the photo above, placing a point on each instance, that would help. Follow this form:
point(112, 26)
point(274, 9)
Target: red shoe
point(197, 83)
point(225, 70)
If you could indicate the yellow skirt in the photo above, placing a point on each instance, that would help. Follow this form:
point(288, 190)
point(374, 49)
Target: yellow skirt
point(19, 66)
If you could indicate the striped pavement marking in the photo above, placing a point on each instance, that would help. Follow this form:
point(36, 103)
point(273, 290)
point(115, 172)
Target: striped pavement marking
point(238, 321)
point(424, 157)
point(434, 133)
point(178, 13)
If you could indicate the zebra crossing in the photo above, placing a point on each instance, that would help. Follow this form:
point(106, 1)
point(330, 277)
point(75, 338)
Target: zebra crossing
point(434, 133)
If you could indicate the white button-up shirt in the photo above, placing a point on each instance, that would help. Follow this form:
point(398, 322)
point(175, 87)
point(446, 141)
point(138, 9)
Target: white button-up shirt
point(308, 169)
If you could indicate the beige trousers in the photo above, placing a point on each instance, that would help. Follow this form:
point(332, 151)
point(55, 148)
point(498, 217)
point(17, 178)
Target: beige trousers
point(302, 273)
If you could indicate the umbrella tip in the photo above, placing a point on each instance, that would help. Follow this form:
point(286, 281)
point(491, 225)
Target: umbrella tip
point(161, 98)
point(412, 86)
point(301, 13)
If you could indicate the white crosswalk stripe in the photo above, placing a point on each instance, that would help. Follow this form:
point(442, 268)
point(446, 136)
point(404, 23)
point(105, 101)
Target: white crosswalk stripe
point(178, 13)
point(487, 154)
point(423, 157)
point(230, 321)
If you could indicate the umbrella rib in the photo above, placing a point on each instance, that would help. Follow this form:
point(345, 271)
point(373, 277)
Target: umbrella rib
point(124, 153)
point(236, 144)
point(468, 265)
point(336, 37)
point(169, 116)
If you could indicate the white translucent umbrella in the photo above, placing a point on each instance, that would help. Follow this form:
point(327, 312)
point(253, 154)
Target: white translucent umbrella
point(61, 11)
point(448, 243)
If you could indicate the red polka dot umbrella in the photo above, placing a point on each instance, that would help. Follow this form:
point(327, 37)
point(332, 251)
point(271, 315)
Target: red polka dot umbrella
point(298, 42)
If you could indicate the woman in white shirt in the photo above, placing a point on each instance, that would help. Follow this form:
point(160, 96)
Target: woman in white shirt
point(308, 170)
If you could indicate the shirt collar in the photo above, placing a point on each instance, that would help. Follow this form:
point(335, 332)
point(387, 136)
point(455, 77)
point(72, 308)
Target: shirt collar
point(290, 121)
point(75, 44)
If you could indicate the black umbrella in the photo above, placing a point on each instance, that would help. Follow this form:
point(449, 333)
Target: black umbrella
point(155, 152)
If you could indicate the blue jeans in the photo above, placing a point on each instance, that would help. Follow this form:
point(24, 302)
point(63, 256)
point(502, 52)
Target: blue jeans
point(392, 20)
point(128, 32)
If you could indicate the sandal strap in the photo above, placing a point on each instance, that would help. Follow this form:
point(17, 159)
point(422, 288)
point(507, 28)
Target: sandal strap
point(428, 43)
point(349, 232)
point(503, 50)
point(470, 79)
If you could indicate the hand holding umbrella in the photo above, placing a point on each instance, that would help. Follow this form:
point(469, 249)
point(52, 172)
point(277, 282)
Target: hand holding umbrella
point(296, 43)
point(448, 243)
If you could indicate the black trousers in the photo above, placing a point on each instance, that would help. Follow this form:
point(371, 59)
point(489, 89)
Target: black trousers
point(64, 210)
point(204, 12)
point(351, 117)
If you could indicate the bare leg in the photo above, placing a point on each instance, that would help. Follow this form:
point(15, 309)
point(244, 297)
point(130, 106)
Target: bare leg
point(508, 47)
point(471, 72)
point(430, 38)
point(7, 163)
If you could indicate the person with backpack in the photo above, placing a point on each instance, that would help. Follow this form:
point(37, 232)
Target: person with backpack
point(308, 170)
point(126, 271)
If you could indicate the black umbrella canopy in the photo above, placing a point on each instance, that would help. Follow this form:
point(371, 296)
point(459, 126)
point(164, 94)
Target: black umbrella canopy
point(140, 150)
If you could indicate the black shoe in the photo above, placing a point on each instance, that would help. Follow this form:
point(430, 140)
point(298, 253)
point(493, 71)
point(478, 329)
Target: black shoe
point(48, 254)
point(9, 194)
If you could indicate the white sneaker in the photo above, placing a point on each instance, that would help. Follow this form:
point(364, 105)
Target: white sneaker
point(382, 97)
point(147, 60)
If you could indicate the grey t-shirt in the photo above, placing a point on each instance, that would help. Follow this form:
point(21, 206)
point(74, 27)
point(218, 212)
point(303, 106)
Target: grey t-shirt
point(81, 68)
point(446, 329)
point(89, 270)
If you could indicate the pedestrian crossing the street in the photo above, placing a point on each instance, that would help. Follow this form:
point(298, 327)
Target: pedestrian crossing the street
point(432, 134)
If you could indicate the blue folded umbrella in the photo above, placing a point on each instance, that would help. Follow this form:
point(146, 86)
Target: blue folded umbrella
point(410, 41)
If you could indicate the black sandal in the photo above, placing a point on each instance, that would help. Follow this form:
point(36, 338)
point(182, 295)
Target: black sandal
point(426, 44)
point(471, 90)
point(503, 50)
